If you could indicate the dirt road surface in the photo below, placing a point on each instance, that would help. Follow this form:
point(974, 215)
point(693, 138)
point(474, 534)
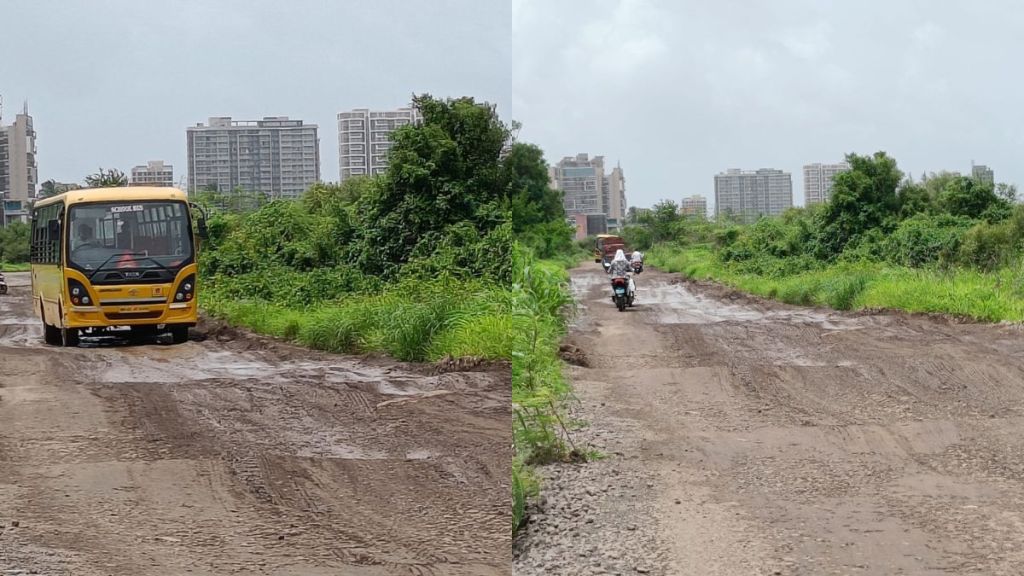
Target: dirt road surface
point(244, 457)
point(746, 437)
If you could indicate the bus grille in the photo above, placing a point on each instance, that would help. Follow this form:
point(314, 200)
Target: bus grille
point(133, 315)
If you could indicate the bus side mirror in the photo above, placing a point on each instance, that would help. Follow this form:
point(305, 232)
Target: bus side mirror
point(53, 228)
point(201, 229)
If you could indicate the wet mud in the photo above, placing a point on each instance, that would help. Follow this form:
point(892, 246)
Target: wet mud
point(236, 454)
point(752, 437)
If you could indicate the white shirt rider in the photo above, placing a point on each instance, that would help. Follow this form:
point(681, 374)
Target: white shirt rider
point(637, 256)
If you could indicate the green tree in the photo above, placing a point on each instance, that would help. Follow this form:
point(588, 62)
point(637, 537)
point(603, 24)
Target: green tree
point(532, 200)
point(863, 198)
point(112, 178)
point(443, 172)
point(14, 242)
point(47, 189)
point(965, 196)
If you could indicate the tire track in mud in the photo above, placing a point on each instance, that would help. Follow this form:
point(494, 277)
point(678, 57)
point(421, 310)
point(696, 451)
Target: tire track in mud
point(244, 455)
point(781, 440)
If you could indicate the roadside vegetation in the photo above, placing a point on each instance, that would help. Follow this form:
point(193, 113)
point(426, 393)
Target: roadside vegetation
point(944, 244)
point(414, 263)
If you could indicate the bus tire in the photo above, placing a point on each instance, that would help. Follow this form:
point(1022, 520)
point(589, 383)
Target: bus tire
point(51, 335)
point(179, 334)
point(69, 337)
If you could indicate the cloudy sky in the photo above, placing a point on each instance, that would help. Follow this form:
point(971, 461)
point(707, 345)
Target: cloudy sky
point(674, 91)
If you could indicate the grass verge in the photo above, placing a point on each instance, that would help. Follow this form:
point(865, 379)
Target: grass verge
point(19, 267)
point(539, 388)
point(991, 297)
point(424, 322)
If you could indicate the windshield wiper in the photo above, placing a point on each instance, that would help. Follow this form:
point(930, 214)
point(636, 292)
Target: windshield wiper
point(112, 256)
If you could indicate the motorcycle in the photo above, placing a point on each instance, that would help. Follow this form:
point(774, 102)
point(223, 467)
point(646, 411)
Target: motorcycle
point(621, 294)
point(638, 266)
point(3, 285)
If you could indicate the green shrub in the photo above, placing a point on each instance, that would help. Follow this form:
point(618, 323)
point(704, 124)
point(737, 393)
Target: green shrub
point(926, 239)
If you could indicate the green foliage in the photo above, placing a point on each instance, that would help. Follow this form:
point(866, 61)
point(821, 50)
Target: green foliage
point(411, 321)
point(112, 178)
point(863, 198)
point(15, 242)
point(540, 299)
point(442, 173)
point(525, 176)
point(967, 197)
point(926, 239)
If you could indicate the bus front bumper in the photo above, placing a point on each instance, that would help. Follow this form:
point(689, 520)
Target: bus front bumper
point(103, 316)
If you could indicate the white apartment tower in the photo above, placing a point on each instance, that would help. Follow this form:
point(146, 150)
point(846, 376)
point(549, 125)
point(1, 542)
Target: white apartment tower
point(364, 139)
point(748, 194)
point(818, 181)
point(276, 156)
point(154, 173)
point(19, 173)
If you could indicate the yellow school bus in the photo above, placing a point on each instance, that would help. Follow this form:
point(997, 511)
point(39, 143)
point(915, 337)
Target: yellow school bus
point(109, 258)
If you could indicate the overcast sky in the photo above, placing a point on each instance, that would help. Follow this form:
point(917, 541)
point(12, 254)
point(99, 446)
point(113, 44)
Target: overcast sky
point(674, 91)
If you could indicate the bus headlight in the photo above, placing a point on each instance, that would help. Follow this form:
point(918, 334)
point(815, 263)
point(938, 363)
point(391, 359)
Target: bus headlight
point(78, 293)
point(186, 290)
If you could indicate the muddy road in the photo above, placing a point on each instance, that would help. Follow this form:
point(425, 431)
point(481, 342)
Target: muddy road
point(747, 437)
point(238, 455)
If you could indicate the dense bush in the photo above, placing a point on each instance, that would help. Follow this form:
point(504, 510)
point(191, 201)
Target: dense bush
point(14, 242)
point(926, 239)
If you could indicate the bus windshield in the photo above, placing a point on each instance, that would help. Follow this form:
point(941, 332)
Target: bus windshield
point(137, 234)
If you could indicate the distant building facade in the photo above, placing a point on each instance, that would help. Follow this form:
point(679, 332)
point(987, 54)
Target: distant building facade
point(746, 195)
point(695, 206)
point(818, 181)
point(154, 173)
point(277, 157)
point(983, 174)
point(587, 189)
point(19, 172)
point(364, 139)
point(616, 199)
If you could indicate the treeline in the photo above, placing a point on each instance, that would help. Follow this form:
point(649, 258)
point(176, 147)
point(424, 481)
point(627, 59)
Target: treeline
point(952, 243)
point(876, 214)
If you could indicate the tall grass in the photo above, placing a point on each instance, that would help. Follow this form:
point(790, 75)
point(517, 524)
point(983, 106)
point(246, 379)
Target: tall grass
point(539, 388)
point(993, 296)
point(18, 267)
point(411, 322)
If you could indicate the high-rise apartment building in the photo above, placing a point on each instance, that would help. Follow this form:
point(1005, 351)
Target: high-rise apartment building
point(154, 173)
point(364, 139)
point(748, 194)
point(587, 189)
point(18, 169)
point(582, 182)
point(695, 206)
point(276, 156)
point(983, 174)
point(818, 181)
point(616, 198)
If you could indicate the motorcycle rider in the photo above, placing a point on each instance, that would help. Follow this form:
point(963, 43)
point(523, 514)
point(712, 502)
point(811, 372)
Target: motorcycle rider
point(637, 256)
point(620, 268)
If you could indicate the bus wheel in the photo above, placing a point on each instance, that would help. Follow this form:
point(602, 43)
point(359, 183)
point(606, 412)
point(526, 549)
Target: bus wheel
point(69, 336)
point(179, 334)
point(51, 335)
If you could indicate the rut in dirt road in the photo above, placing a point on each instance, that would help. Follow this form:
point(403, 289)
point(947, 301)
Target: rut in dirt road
point(245, 456)
point(748, 437)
